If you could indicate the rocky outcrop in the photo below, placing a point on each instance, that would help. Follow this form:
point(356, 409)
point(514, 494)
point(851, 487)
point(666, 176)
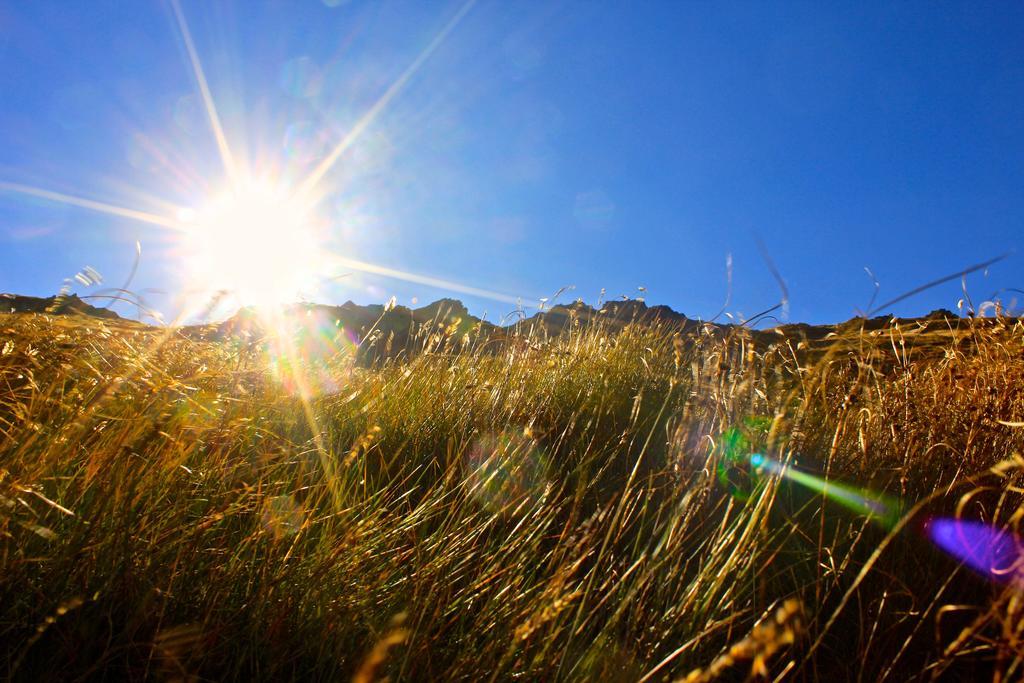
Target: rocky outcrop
point(69, 304)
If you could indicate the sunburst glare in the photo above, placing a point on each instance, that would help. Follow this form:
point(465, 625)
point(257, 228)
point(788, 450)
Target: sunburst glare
point(256, 241)
point(260, 241)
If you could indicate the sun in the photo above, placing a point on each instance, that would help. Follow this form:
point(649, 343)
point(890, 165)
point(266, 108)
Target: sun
point(260, 240)
point(254, 241)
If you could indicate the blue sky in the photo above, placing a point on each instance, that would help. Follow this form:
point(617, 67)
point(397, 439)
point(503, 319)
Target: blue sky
point(539, 146)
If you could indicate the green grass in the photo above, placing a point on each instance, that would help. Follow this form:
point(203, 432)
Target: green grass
point(538, 509)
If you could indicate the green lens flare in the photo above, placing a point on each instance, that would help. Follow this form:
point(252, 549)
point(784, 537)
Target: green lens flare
point(873, 505)
point(734, 470)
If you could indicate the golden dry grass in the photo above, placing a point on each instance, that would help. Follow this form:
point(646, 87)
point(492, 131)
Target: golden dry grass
point(548, 510)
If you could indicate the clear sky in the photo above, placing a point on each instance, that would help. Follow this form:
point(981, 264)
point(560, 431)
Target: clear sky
point(517, 148)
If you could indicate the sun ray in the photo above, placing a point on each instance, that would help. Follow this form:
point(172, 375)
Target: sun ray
point(286, 341)
point(91, 204)
point(314, 178)
point(204, 91)
point(374, 269)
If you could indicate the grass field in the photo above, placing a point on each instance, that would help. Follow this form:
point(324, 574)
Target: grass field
point(577, 508)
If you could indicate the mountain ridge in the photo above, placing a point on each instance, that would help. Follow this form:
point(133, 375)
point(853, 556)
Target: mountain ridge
point(61, 304)
point(454, 316)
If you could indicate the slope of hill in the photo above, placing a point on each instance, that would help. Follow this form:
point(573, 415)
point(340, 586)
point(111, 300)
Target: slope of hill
point(572, 498)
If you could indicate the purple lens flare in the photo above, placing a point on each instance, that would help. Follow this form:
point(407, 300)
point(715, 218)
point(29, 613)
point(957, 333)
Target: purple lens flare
point(994, 552)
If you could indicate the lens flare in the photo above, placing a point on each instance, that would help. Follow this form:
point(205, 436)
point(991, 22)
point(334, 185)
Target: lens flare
point(734, 447)
point(282, 516)
point(868, 503)
point(505, 470)
point(741, 471)
point(311, 354)
point(995, 553)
